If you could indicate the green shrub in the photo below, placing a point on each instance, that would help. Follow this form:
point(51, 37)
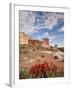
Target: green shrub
point(23, 74)
point(61, 49)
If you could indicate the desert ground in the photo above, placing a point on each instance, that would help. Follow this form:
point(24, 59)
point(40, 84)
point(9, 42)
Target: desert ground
point(29, 56)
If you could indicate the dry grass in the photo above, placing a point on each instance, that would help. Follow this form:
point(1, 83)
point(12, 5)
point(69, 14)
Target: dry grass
point(29, 57)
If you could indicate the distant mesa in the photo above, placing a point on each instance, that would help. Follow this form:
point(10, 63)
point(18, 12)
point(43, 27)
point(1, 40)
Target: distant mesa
point(27, 40)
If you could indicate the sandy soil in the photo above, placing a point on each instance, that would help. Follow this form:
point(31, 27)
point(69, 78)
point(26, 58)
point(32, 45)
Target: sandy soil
point(26, 60)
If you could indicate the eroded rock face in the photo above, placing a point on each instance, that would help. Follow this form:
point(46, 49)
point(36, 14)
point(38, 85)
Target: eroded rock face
point(23, 38)
point(34, 42)
point(43, 43)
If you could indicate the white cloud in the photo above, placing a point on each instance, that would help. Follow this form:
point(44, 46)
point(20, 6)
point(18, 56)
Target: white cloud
point(59, 40)
point(51, 19)
point(46, 35)
point(52, 40)
point(61, 29)
point(52, 37)
point(27, 19)
point(39, 37)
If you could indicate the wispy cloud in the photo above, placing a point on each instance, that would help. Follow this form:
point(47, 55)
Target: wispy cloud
point(46, 35)
point(59, 40)
point(61, 29)
point(31, 21)
point(26, 21)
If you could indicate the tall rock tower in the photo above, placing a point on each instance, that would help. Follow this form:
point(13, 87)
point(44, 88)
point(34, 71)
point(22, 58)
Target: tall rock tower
point(45, 42)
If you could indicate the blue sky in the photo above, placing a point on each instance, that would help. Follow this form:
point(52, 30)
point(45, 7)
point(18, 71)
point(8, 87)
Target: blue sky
point(40, 24)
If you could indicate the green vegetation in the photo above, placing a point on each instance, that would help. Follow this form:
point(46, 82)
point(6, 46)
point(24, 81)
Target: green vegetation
point(61, 49)
point(23, 74)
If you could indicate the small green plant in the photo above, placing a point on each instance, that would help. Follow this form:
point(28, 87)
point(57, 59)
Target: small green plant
point(61, 49)
point(23, 74)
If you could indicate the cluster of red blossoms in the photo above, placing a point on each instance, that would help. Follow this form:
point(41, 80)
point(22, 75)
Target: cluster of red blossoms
point(42, 68)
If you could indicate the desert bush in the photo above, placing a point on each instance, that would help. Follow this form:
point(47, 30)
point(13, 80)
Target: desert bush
point(33, 49)
point(61, 49)
point(55, 57)
point(43, 70)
